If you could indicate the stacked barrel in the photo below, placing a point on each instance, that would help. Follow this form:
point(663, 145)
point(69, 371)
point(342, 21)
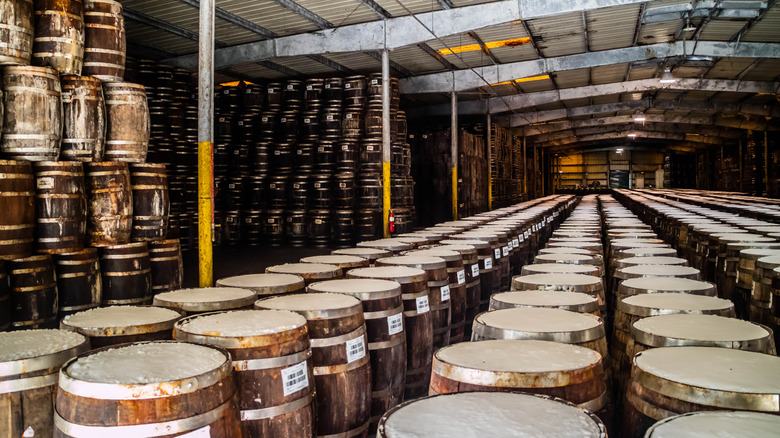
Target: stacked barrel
point(90, 229)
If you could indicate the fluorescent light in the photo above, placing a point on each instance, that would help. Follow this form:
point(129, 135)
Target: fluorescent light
point(619, 150)
point(639, 116)
point(632, 134)
point(668, 77)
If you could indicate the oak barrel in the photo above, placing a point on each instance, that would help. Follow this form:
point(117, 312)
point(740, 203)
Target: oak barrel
point(17, 202)
point(79, 283)
point(206, 299)
point(721, 423)
point(345, 262)
point(370, 254)
point(310, 272)
point(84, 119)
point(127, 122)
point(394, 245)
point(342, 368)
point(127, 276)
point(266, 285)
point(473, 283)
point(110, 203)
point(588, 284)
point(59, 35)
point(272, 361)
point(166, 265)
point(61, 204)
point(104, 40)
point(5, 299)
point(114, 325)
point(151, 203)
point(573, 301)
point(110, 392)
point(487, 274)
point(17, 15)
point(33, 292)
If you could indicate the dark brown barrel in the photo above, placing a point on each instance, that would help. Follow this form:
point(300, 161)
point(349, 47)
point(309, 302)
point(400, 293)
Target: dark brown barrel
point(473, 283)
point(17, 34)
point(59, 35)
point(345, 262)
point(206, 299)
point(84, 119)
point(266, 285)
point(273, 366)
point(127, 126)
point(5, 299)
point(418, 322)
point(61, 205)
point(342, 369)
point(28, 378)
point(32, 123)
point(33, 292)
point(110, 206)
point(119, 324)
point(104, 40)
point(17, 202)
point(119, 399)
point(166, 264)
point(489, 275)
point(151, 203)
point(79, 284)
point(310, 272)
point(127, 277)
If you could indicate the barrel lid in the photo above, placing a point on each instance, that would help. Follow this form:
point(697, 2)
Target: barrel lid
point(757, 253)
point(340, 260)
point(477, 244)
point(627, 230)
point(567, 282)
point(651, 251)
point(574, 301)
point(120, 320)
point(121, 85)
point(559, 268)
point(768, 262)
point(447, 255)
point(320, 305)
point(490, 414)
point(658, 271)
point(240, 323)
point(29, 344)
point(414, 261)
point(484, 235)
point(668, 303)
point(401, 274)
point(387, 244)
point(362, 288)
point(513, 356)
point(309, 271)
point(632, 243)
point(463, 249)
point(713, 369)
point(649, 285)
point(206, 299)
point(695, 329)
point(575, 239)
point(265, 284)
point(367, 253)
point(650, 260)
point(565, 258)
point(594, 246)
point(723, 424)
point(413, 239)
point(532, 322)
point(456, 224)
point(564, 251)
point(743, 237)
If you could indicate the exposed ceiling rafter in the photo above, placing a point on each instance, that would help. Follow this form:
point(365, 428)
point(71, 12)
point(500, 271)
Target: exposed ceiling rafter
point(639, 134)
point(726, 122)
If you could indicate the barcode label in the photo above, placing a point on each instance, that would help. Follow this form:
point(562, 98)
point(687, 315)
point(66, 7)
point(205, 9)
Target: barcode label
point(349, 115)
point(321, 149)
point(461, 277)
point(527, 233)
point(329, 117)
point(46, 182)
point(318, 221)
point(277, 152)
point(271, 91)
point(356, 349)
point(488, 263)
point(516, 242)
point(347, 85)
point(369, 148)
point(240, 123)
point(295, 378)
point(505, 250)
point(374, 81)
point(283, 120)
point(265, 119)
point(497, 253)
point(203, 432)
point(307, 121)
point(510, 245)
point(317, 185)
point(248, 91)
point(521, 239)
point(271, 221)
point(232, 186)
point(475, 270)
point(309, 88)
point(296, 186)
point(327, 86)
point(395, 324)
point(248, 220)
point(445, 293)
point(289, 87)
point(345, 147)
point(422, 304)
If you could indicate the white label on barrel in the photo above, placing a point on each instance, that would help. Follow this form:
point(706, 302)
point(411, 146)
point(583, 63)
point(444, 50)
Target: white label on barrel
point(342, 185)
point(347, 85)
point(236, 152)
point(28, 433)
point(356, 349)
point(309, 88)
point(349, 115)
point(248, 91)
point(510, 245)
point(232, 186)
point(265, 119)
point(46, 182)
point(445, 293)
point(300, 152)
point(271, 221)
point(345, 147)
point(422, 304)
point(488, 263)
point(411, 135)
point(327, 86)
point(462, 276)
point(370, 148)
point(329, 117)
point(318, 221)
point(295, 378)
point(240, 123)
point(248, 220)
point(316, 185)
point(296, 186)
point(516, 242)
point(277, 152)
point(395, 324)
point(272, 185)
point(505, 250)
point(475, 270)
point(271, 91)
point(497, 253)
point(289, 87)
point(283, 120)
point(374, 81)
point(307, 121)
point(203, 432)
point(226, 91)
point(521, 239)
point(425, 135)
point(527, 233)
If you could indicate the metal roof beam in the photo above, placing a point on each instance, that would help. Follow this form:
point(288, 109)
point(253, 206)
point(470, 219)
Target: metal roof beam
point(639, 134)
point(287, 71)
point(731, 122)
point(650, 127)
point(502, 104)
point(235, 20)
point(400, 31)
point(394, 65)
point(438, 56)
point(332, 64)
point(164, 26)
point(378, 10)
point(305, 13)
point(467, 79)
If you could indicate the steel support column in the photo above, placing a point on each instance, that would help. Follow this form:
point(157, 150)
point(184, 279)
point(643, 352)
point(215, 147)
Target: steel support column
point(205, 142)
point(489, 148)
point(454, 154)
point(386, 147)
point(525, 168)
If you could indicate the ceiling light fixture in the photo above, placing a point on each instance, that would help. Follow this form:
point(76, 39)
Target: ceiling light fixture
point(632, 134)
point(639, 117)
point(619, 150)
point(667, 77)
point(688, 26)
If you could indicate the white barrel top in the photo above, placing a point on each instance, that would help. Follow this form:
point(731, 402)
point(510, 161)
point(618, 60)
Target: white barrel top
point(678, 302)
point(538, 319)
point(701, 328)
point(334, 259)
point(544, 298)
point(356, 286)
point(562, 258)
point(387, 244)
point(200, 298)
point(386, 272)
point(668, 284)
point(120, 316)
point(721, 369)
point(147, 362)
point(27, 344)
point(262, 283)
point(311, 301)
point(243, 323)
point(489, 415)
point(363, 252)
point(721, 424)
point(653, 260)
point(652, 251)
point(520, 356)
point(660, 270)
point(556, 280)
point(424, 262)
point(304, 269)
point(565, 251)
point(559, 268)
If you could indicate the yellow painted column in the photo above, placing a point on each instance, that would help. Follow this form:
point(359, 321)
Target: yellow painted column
point(490, 162)
point(386, 147)
point(206, 19)
point(454, 132)
point(205, 214)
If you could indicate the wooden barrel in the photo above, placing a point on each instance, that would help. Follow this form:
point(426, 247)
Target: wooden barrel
point(30, 364)
point(762, 298)
point(725, 424)
point(272, 360)
point(345, 262)
point(746, 276)
point(109, 391)
point(415, 239)
point(370, 254)
point(473, 285)
point(166, 265)
point(115, 325)
point(127, 276)
point(17, 200)
point(151, 203)
point(439, 291)
point(79, 283)
point(588, 284)
point(311, 272)
point(488, 275)
point(206, 299)
point(464, 415)
point(394, 245)
point(502, 275)
point(342, 370)
point(383, 311)
point(127, 122)
point(650, 252)
point(104, 40)
point(59, 35)
point(5, 299)
point(542, 324)
point(677, 380)
point(570, 372)
point(33, 292)
point(572, 259)
point(61, 205)
point(266, 285)
point(17, 16)
point(560, 268)
point(83, 119)
point(418, 322)
point(573, 301)
point(110, 206)
point(32, 123)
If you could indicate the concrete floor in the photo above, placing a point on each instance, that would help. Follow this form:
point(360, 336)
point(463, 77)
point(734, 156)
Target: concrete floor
point(240, 260)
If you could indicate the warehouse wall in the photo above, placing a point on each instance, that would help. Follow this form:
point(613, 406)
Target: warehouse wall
point(593, 168)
